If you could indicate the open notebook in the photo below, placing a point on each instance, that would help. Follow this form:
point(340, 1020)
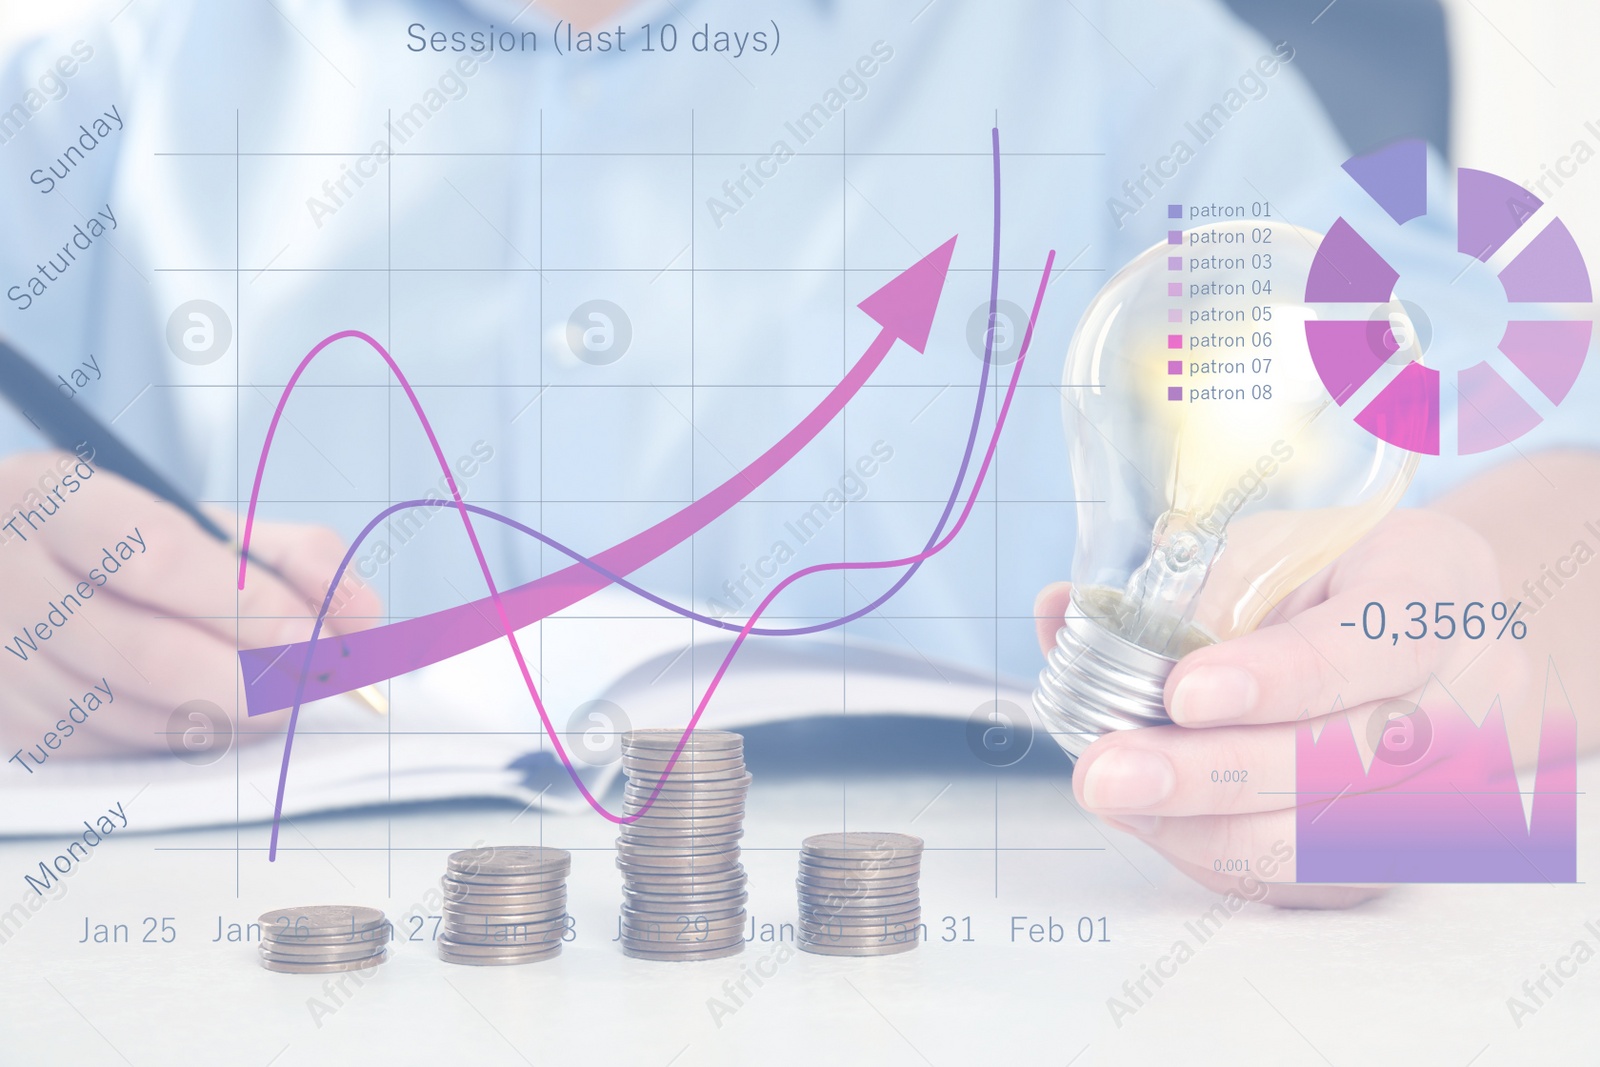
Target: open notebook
point(466, 727)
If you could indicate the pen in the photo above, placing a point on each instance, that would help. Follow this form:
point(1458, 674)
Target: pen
point(71, 426)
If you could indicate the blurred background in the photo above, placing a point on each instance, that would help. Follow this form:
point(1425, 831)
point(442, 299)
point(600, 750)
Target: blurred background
point(1500, 85)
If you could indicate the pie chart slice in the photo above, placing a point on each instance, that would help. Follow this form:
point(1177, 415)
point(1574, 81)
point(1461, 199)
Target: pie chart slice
point(1550, 270)
point(1348, 270)
point(1346, 352)
point(1406, 412)
point(1489, 210)
point(1551, 354)
point(1490, 413)
point(1396, 177)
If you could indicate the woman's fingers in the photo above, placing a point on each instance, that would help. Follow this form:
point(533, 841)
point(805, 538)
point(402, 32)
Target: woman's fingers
point(1299, 668)
point(1167, 770)
point(1049, 611)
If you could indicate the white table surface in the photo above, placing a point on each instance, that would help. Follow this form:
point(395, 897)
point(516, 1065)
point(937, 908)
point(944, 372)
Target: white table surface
point(1419, 977)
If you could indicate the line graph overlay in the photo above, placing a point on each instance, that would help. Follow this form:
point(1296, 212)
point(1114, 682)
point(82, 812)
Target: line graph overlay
point(904, 310)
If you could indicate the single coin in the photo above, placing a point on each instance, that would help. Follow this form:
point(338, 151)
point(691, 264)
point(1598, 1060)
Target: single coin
point(649, 937)
point(686, 856)
point(657, 902)
point(868, 886)
point(288, 967)
point(669, 817)
point(509, 861)
point(707, 827)
point(319, 955)
point(709, 836)
point(874, 876)
point(683, 805)
point(495, 955)
point(704, 878)
point(374, 938)
point(455, 888)
point(856, 842)
point(669, 737)
point(516, 883)
point(872, 931)
point(845, 905)
point(689, 891)
point(502, 918)
point(698, 822)
point(829, 863)
point(473, 948)
point(858, 944)
point(888, 948)
point(737, 786)
point(685, 915)
point(503, 941)
point(692, 765)
point(688, 922)
point(671, 798)
point(378, 936)
point(701, 844)
point(905, 926)
point(726, 789)
point(652, 952)
point(509, 901)
point(826, 896)
point(502, 960)
point(322, 919)
point(676, 934)
point(686, 872)
point(855, 911)
point(857, 890)
point(682, 784)
point(473, 923)
point(707, 872)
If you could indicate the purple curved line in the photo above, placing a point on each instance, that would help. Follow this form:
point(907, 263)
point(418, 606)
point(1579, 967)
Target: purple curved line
point(933, 548)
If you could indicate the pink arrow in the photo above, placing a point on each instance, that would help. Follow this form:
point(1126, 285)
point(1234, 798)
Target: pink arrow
point(904, 308)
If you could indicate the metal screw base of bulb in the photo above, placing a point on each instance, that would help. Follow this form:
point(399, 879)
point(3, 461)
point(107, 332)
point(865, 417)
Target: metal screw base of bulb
point(1095, 681)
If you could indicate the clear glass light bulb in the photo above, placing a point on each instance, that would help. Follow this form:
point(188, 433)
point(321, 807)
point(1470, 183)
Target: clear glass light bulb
point(1198, 514)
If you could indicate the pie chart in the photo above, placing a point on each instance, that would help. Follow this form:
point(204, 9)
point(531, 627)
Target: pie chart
point(1542, 354)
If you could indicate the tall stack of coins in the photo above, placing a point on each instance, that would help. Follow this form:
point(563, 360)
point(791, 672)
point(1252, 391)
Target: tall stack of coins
point(504, 906)
point(683, 891)
point(858, 893)
point(324, 937)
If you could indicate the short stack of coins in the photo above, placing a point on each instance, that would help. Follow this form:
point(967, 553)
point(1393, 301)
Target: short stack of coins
point(683, 891)
point(504, 906)
point(858, 893)
point(323, 938)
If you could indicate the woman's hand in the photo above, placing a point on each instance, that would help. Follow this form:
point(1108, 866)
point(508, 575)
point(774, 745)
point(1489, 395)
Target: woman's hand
point(119, 591)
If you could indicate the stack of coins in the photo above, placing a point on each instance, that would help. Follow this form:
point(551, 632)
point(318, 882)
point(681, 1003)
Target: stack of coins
point(321, 938)
point(504, 906)
point(858, 893)
point(683, 891)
